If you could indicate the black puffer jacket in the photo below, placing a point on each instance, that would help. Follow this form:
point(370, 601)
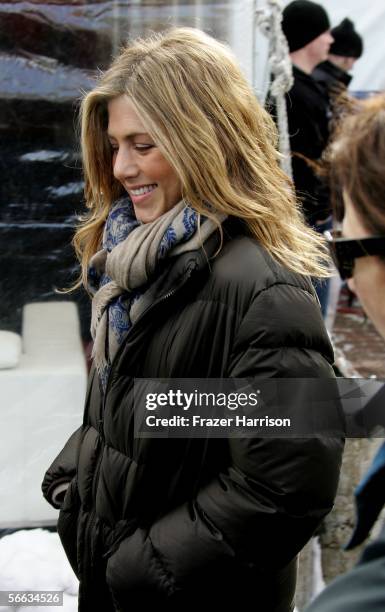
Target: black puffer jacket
point(199, 522)
point(332, 77)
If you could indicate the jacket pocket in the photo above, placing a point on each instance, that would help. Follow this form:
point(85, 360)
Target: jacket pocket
point(135, 574)
point(68, 522)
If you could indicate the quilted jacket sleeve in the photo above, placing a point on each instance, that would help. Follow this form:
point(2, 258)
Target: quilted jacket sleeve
point(361, 588)
point(266, 505)
point(61, 471)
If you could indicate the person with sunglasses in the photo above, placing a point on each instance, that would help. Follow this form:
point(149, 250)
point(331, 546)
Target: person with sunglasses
point(357, 172)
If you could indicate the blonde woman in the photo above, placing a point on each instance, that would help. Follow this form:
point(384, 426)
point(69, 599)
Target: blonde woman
point(198, 261)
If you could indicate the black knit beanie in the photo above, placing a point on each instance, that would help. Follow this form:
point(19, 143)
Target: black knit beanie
point(302, 22)
point(347, 42)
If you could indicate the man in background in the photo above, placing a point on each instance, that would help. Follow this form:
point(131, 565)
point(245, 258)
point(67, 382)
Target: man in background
point(307, 29)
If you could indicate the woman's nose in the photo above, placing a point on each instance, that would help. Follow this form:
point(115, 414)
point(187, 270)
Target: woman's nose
point(124, 165)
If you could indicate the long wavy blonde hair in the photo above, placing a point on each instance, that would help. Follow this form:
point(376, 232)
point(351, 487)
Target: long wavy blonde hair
point(201, 112)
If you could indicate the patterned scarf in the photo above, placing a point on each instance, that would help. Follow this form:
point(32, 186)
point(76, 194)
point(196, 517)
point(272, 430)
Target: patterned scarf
point(121, 273)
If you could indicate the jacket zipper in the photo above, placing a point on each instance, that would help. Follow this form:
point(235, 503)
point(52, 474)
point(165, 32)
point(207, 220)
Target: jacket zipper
point(91, 520)
point(163, 298)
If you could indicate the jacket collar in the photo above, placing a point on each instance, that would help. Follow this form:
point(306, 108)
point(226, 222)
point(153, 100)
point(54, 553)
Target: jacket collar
point(333, 72)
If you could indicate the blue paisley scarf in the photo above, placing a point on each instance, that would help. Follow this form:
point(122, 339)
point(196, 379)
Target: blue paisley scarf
point(121, 273)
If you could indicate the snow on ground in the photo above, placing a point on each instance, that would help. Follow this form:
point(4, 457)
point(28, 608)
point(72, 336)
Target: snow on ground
point(34, 560)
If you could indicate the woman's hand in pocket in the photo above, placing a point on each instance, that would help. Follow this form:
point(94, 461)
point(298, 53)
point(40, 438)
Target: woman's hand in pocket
point(136, 567)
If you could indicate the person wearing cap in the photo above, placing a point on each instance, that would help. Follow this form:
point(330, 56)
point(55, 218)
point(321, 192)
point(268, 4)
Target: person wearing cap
point(346, 49)
point(306, 26)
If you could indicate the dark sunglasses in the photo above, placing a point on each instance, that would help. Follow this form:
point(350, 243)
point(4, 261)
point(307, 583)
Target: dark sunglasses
point(344, 251)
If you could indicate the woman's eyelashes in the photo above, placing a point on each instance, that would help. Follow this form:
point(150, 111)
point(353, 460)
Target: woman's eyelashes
point(139, 146)
point(143, 147)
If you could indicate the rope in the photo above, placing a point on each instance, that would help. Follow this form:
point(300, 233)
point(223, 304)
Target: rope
point(269, 21)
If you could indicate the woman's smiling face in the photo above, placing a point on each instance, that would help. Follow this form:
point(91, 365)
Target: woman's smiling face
point(138, 164)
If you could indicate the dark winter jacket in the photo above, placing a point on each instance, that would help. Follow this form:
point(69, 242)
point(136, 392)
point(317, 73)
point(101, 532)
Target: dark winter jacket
point(308, 114)
point(192, 521)
point(360, 590)
point(331, 76)
point(335, 82)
